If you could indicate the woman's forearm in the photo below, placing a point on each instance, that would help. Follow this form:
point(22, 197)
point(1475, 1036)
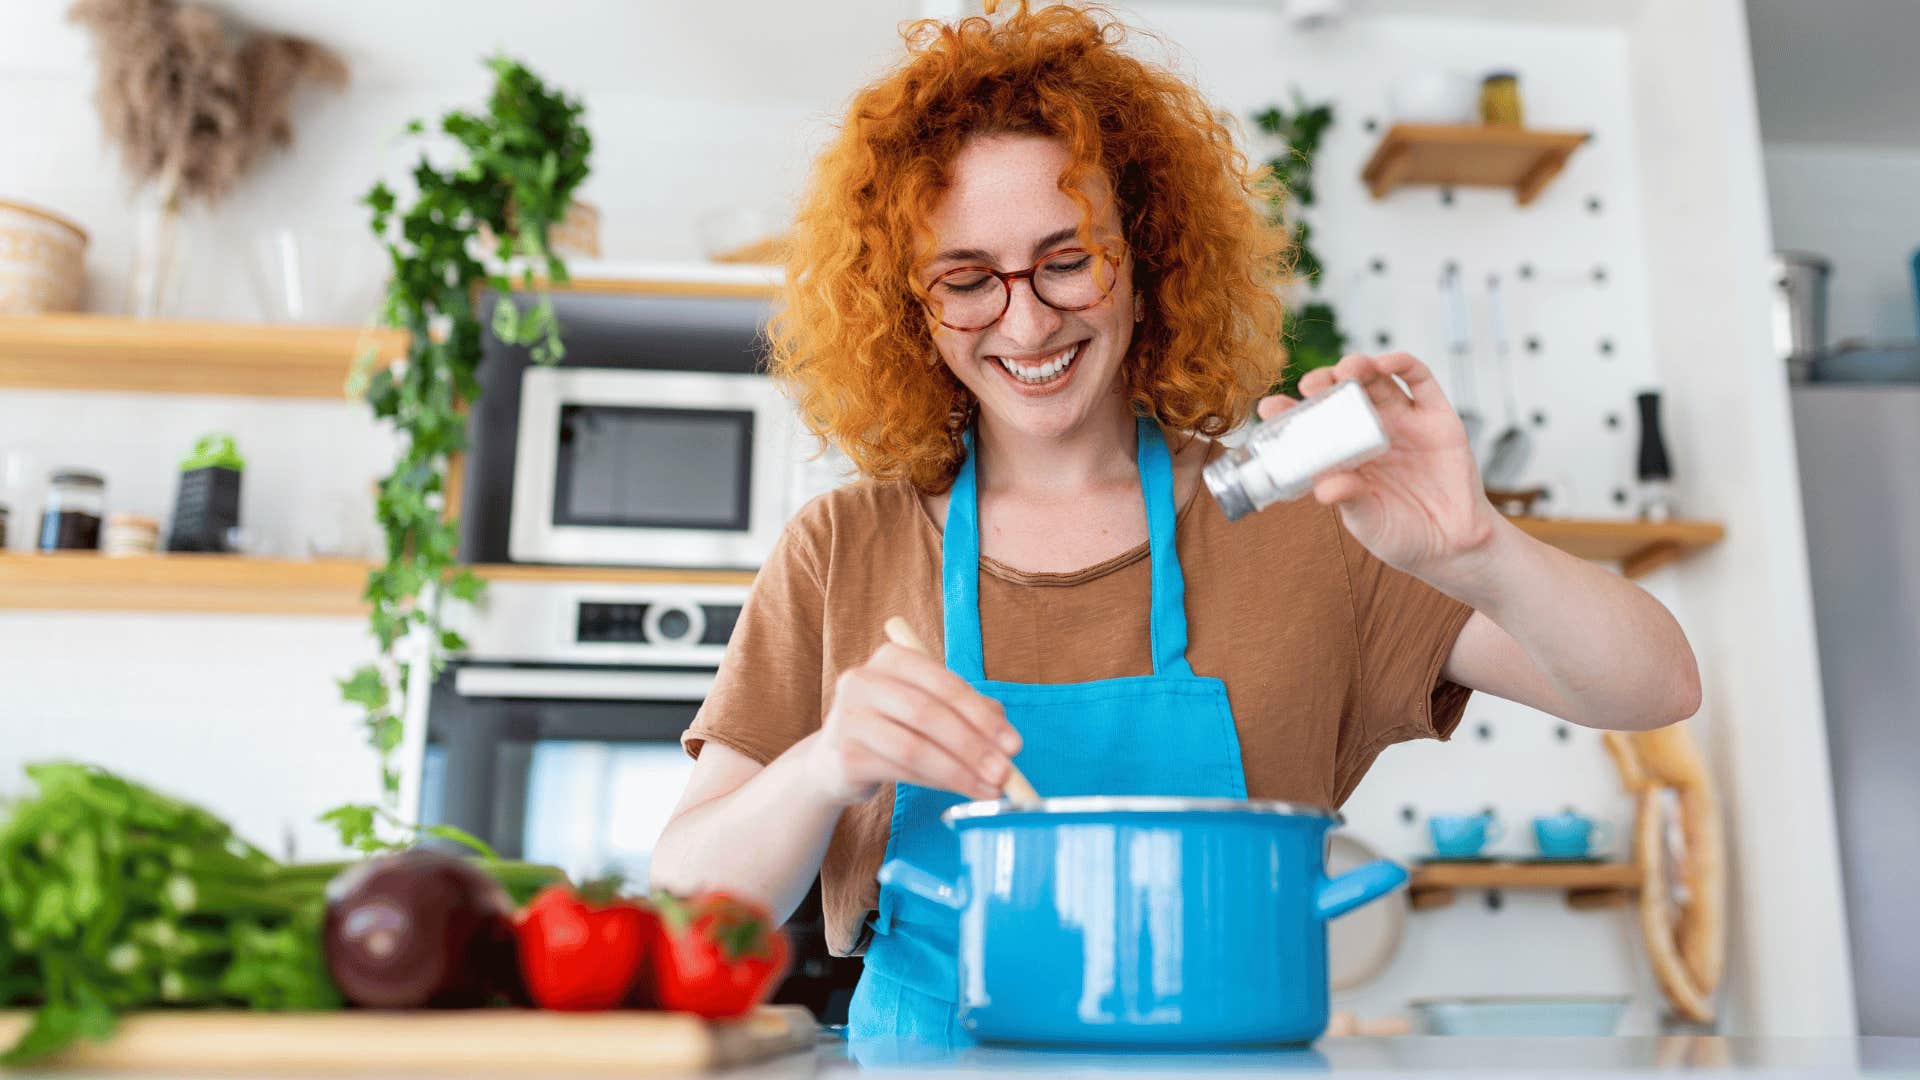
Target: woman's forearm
point(1568, 637)
point(763, 839)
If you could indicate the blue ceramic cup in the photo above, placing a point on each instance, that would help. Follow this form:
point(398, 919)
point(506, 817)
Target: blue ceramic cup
point(1568, 835)
point(1462, 836)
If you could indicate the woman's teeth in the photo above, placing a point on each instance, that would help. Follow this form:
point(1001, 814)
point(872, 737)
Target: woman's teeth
point(1045, 371)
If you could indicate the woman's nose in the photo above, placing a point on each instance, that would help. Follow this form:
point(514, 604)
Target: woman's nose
point(1028, 322)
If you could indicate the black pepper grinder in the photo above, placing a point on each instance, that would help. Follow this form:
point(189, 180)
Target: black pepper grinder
point(1654, 470)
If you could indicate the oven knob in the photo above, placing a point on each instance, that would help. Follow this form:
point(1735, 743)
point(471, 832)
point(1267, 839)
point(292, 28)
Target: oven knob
point(675, 624)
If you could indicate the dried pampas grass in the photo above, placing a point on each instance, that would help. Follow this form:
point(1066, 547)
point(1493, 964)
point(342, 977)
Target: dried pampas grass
point(190, 105)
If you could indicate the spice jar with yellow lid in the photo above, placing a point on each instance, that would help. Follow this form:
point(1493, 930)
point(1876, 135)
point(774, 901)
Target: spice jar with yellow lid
point(1500, 99)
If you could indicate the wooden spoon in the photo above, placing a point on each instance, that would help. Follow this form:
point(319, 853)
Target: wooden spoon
point(1015, 788)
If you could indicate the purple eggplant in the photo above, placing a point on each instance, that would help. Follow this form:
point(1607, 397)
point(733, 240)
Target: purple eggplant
point(420, 929)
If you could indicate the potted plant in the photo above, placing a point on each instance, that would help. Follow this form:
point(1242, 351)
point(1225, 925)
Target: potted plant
point(191, 105)
point(479, 222)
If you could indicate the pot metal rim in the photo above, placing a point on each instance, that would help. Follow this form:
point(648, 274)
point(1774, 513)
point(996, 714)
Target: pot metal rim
point(1137, 804)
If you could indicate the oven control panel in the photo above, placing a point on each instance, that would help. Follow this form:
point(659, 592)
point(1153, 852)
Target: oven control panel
point(666, 622)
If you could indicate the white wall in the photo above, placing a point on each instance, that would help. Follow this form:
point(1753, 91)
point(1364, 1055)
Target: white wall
point(1707, 241)
point(1857, 207)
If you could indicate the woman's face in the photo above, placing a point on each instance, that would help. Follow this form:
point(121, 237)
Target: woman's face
point(1038, 370)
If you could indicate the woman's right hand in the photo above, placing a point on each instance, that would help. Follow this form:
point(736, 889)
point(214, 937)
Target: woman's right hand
point(903, 717)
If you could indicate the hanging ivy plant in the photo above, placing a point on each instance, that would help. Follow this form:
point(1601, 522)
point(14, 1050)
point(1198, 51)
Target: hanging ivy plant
point(1311, 329)
point(475, 224)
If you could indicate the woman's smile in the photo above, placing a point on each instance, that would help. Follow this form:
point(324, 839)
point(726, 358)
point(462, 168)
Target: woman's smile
point(1040, 373)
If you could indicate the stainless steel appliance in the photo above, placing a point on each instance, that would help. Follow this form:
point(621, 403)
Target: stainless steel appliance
point(1857, 445)
point(555, 736)
point(1799, 309)
point(655, 441)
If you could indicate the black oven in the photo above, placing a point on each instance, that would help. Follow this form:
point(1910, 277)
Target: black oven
point(555, 737)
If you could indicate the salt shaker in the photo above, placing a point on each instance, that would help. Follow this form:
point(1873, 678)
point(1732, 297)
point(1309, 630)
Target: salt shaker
point(1280, 458)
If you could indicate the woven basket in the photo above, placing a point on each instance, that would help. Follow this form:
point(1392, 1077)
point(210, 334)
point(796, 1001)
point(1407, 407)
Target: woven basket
point(42, 261)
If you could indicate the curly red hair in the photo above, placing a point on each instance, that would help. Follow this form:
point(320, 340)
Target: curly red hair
point(851, 340)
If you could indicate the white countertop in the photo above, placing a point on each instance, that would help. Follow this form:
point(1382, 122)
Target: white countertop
point(1428, 1055)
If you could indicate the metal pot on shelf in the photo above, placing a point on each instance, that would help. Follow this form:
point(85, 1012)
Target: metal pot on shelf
point(1800, 309)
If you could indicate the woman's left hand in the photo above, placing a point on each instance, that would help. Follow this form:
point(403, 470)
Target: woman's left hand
point(1420, 506)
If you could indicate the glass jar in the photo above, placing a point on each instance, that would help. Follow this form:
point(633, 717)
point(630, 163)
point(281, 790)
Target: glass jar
point(1500, 99)
point(1281, 457)
point(71, 519)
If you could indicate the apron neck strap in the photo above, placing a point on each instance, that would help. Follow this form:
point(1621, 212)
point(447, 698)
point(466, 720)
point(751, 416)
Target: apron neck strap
point(960, 563)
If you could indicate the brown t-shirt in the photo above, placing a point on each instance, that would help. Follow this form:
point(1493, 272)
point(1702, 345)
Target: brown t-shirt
point(1329, 655)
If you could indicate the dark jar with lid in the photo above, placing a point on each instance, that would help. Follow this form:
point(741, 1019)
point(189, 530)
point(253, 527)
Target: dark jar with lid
point(75, 503)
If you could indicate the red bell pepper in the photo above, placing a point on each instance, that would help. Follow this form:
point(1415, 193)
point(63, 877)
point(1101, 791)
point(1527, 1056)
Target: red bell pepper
point(719, 956)
point(582, 951)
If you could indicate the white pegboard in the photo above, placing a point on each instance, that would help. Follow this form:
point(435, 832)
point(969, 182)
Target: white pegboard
point(1572, 266)
point(1570, 262)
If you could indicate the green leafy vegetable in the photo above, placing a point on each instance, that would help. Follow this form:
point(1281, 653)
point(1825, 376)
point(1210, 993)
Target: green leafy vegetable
point(114, 897)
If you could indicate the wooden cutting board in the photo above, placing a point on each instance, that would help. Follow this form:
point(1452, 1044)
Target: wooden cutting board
point(464, 1041)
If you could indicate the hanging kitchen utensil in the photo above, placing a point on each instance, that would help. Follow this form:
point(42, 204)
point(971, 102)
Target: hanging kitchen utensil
point(1507, 457)
point(1460, 363)
point(1016, 789)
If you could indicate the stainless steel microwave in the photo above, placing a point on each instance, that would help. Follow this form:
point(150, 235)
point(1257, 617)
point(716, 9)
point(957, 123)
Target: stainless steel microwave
point(673, 468)
point(658, 440)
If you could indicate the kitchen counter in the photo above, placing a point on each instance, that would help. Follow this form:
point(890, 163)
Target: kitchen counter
point(1428, 1055)
point(833, 1058)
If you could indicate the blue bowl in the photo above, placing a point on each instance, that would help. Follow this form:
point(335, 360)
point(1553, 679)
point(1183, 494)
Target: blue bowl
point(1461, 836)
point(1566, 836)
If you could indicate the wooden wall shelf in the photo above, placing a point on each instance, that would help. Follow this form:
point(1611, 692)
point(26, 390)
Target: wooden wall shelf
point(1640, 547)
point(86, 581)
point(109, 353)
point(1587, 885)
point(233, 584)
point(1469, 155)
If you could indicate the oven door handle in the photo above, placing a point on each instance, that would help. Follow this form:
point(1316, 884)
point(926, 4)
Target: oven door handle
point(601, 685)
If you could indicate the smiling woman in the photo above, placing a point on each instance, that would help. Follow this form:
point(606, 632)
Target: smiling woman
point(1030, 282)
point(931, 173)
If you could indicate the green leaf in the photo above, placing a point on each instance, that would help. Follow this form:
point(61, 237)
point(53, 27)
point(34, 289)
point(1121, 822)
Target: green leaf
point(353, 821)
point(387, 733)
point(460, 836)
point(466, 585)
point(364, 687)
point(506, 320)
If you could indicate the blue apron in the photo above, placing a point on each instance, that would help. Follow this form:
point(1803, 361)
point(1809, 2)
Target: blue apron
point(1168, 733)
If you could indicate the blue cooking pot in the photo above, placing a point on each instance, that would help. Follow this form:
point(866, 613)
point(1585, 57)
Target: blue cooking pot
point(1144, 921)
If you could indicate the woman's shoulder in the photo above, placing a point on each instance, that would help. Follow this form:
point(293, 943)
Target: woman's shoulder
point(855, 513)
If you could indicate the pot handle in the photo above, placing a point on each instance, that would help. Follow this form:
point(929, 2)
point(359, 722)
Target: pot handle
point(1355, 887)
point(905, 875)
